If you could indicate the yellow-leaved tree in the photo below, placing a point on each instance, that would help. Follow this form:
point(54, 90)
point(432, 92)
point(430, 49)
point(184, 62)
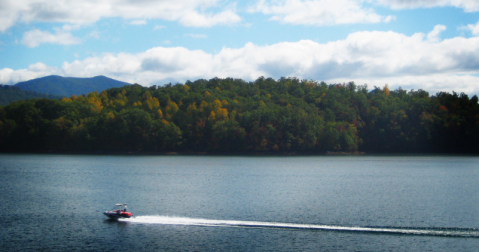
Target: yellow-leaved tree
point(217, 111)
point(212, 116)
point(215, 105)
point(149, 101)
point(222, 114)
point(185, 88)
point(171, 108)
point(386, 90)
point(95, 102)
point(120, 100)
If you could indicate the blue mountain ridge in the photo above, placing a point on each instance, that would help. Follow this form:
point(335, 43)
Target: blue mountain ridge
point(68, 86)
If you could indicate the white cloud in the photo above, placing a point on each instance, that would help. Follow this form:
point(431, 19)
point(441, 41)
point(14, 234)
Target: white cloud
point(187, 12)
point(40, 67)
point(431, 83)
point(138, 22)
point(197, 36)
point(34, 38)
point(10, 76)
point(412, 62)
point(159, 27)
point(473, 28)
point(467, 5)
point(318, 12)
point(193, 18)
point(433, 36)
point(207, 13)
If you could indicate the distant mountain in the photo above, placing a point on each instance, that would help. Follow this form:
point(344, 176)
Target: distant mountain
point(9, 94)
point(68, 86)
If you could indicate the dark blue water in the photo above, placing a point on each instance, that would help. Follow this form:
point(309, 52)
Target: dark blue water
point(191, 203)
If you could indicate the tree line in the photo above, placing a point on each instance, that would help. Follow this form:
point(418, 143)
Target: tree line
point(234, 116)
point(9, 94)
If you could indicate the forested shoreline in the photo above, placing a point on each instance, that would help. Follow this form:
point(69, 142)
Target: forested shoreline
point(238, 117)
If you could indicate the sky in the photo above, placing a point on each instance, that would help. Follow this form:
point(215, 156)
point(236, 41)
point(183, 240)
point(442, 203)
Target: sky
point(413, 44)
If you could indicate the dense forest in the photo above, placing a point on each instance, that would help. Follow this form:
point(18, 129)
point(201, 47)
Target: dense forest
point(233, 116)
point(9, 94)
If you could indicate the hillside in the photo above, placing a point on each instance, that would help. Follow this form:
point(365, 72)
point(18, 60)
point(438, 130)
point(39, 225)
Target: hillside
point(68, 86)
point(234, 116)
point(9, 94)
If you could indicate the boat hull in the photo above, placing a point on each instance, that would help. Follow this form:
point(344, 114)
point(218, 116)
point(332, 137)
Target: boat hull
point(115, 215)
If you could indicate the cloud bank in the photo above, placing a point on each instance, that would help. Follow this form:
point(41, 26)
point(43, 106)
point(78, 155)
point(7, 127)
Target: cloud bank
point(412, 62)
point(467, 5)
point(187, 12)
point(337, 12)
point(473, 28)
point(318, 12)
point(208, 13)
point(36, 37)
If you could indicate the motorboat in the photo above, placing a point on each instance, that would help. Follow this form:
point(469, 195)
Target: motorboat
point(119, 211)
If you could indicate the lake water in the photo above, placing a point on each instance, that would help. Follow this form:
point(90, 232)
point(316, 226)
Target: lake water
point(210, 203)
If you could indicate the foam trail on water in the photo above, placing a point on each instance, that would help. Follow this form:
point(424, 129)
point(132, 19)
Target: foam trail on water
point(166, 220)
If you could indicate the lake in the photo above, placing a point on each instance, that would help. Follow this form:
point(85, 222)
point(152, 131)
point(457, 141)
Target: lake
point(218, 203)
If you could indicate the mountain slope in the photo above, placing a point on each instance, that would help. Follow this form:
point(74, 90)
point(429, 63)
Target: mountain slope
point(68, 86)
point(9, 94)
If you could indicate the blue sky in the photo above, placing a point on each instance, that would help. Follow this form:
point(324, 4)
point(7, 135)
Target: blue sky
point(413, 44)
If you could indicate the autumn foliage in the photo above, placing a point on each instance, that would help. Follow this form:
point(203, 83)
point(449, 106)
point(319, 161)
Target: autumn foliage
point(231, 115)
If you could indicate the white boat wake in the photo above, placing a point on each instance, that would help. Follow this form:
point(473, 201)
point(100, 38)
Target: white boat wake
point(166, 220)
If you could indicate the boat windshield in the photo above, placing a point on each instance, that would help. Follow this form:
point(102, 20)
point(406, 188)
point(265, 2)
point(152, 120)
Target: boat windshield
point(121, 207)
